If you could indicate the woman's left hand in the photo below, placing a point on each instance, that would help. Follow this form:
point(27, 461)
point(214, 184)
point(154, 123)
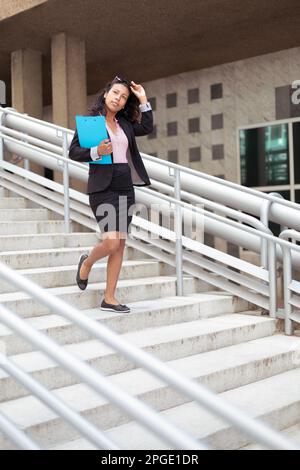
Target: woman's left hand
point(139, 91)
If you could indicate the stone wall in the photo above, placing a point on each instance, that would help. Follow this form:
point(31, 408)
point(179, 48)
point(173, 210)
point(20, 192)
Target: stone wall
point(247, 89)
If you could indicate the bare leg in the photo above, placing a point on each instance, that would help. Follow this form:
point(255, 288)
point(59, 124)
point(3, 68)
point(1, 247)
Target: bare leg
point(114, 265)
point(108, 246)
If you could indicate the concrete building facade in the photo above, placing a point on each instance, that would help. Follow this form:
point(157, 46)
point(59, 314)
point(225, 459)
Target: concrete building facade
point(202, 85)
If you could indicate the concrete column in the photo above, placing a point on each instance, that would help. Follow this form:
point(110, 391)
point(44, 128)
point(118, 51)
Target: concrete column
point(27, 93)
point(69, 92)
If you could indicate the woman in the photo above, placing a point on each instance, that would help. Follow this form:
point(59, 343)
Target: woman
point(111, 187)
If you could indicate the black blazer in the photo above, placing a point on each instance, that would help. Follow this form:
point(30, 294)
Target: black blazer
point(100, 175)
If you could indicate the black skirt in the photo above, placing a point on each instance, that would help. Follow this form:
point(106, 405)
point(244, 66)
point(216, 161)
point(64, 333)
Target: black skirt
point(113, 207)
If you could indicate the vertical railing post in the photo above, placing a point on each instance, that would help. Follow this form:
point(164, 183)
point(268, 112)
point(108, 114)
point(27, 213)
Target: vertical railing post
point(26, 164)
point(287, 279)
point(178, 232)
point(264, 218)
point(267, 247)
point(66, 183)
point(272, 278)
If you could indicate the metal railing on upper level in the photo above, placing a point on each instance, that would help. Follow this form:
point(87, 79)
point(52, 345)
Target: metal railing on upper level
point(253, 283)
point(47, 144)
point(49, 140)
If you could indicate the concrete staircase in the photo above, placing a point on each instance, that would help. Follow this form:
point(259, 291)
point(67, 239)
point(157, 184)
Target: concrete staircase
point(207, 335)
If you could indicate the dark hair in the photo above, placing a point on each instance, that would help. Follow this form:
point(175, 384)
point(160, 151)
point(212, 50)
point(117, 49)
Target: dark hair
point(131, 110)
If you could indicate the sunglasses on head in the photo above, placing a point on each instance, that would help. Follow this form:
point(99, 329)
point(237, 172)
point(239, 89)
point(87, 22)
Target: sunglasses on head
point(121, 80)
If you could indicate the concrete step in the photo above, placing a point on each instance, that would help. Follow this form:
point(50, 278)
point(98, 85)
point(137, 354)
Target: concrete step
point(12, 202)
point(43, 257)
point(20, 215)
point(144, 314)
point(165, 342)
point(275, 400)
point(32, 227)
point(43, 241)
point(127, 291)
point(292, 433)
point(51, 257)
point(66, 275)
point(228, 369)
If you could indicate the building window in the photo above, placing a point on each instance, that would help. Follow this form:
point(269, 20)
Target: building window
point(296, 145)
point(195, 154)
point(153, 133)
point(194, 125)
point(216, 91)
point(209, 240)
point(172, 128)
point(233, 250)
point(173, 156)
point(152, 101)
point(171, 100)
point(48, 173)
point(217, 121)
point(193, 96)
point(264, 156)
point(217, 152)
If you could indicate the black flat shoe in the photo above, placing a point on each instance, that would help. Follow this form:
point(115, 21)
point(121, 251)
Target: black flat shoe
point(114, 308)
point(82, 283)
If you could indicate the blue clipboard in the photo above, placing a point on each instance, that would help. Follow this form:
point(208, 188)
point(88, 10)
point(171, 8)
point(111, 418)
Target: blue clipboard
point(91, 131)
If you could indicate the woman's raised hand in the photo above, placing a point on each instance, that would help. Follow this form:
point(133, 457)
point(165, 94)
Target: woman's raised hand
point(139, 91)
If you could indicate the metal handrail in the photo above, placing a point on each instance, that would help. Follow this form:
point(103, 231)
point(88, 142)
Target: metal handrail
point(15, 434)
point(213, 205)
point(233, 213)
point(220, 181)
point(64, 161)
point(257, 430)
point(239, 216)
point(88, 430)
point(24, 137)
point(289, 317)
point(45, 152)
point(255, 223)
point(258, 225)
point(260, 229)
point(86, 373)
point(195, 198)
point(177, 169)
point(25, 116)
point(172, 165)
point(99, 383)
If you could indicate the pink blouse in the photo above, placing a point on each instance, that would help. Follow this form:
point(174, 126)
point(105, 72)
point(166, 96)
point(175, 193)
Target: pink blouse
point(119, 143)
